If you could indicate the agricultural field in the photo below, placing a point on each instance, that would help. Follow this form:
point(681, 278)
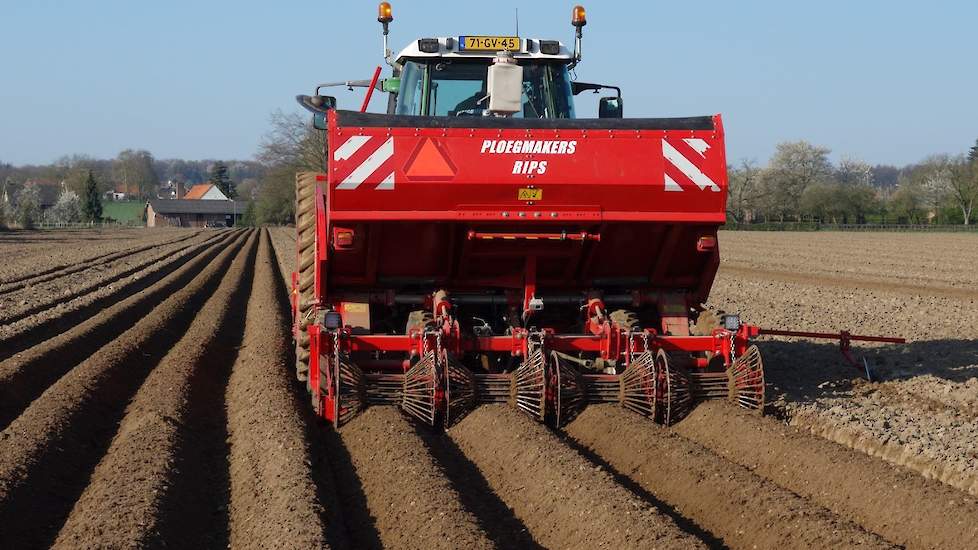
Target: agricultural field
point(147, 398)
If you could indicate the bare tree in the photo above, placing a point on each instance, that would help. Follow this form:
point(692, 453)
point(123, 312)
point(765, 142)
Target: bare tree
point(744, 191)
point(135, 169)
point(292, 145)
point(292, 141)
point(963, 186)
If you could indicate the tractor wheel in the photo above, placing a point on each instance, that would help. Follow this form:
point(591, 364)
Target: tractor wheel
point(305, 225)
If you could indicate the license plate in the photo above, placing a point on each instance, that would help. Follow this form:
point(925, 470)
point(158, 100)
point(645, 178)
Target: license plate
point(489, 43)
point(525, 194)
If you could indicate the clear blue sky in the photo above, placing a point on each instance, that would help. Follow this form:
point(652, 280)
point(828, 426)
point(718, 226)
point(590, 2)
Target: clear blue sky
point(886, 81)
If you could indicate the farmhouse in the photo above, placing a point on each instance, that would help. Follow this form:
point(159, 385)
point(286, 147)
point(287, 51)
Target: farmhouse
point(205, 191)
point(193, 213)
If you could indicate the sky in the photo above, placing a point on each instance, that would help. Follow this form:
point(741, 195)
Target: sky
point(883, 81)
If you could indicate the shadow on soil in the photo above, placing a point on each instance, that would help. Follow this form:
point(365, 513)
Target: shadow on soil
point(330, 463)
point(684, 523)
point(803, 372)
point(475, 494)
point(196, 506)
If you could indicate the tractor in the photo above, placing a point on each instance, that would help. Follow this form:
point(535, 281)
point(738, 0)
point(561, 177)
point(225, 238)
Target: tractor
point(481, 243)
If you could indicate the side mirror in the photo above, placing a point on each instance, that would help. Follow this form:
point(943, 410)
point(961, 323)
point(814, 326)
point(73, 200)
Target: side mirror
point(610, 107)
point(318, 105)
point(324, 102)
point(319, 121)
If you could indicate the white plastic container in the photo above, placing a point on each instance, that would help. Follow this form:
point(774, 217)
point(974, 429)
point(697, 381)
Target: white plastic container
point(505, 85)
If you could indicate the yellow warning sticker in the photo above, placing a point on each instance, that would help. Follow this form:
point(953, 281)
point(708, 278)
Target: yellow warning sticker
point(527, 194)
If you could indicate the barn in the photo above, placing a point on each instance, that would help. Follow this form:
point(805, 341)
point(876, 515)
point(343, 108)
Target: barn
point(193, 213)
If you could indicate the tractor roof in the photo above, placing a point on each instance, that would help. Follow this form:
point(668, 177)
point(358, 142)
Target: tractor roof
point(448, 47)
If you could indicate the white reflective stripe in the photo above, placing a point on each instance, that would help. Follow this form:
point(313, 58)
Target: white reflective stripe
point(349, 147)
point(687, 168)
point(698, 145)
point(671, 184)
point(387, 184)
point(368, 166)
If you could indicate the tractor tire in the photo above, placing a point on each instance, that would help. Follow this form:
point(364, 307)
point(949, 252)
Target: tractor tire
point(305, 225)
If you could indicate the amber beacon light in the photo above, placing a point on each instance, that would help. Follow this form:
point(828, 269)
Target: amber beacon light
point(579, 16)
point(384, 13)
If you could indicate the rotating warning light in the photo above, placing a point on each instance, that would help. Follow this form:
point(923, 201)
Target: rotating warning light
point(384, 13)
point(578, 16)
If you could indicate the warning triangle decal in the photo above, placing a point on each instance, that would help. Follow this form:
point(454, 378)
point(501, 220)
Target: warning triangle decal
point(429, 162)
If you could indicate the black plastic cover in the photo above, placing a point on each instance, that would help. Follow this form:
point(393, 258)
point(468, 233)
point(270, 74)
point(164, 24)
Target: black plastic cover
point(376, 120)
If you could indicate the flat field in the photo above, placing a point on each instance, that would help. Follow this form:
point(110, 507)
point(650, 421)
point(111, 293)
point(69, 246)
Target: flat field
point(147, 399)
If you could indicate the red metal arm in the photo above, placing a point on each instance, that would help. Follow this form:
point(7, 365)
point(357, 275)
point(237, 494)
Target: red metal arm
point(370, 91)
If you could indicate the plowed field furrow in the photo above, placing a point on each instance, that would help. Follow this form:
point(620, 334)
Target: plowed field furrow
point(17, 283)
point(494, 515)
point(564, 500)
point(26, 375)
point(395, 494)
point(159, 470)
point(28, 254)
point(860, 439)
point(274, 496)
point(41, 328)
point(63, 298)
point(829, 281)
point(743, 509)
point(49, 451)
point(896, 503)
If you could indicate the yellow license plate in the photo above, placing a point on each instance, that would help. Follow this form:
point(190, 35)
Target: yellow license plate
point(489, 43)
point(525, 194)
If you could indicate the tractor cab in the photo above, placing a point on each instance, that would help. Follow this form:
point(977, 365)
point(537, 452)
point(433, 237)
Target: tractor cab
point(453, 76)
point(449, 76)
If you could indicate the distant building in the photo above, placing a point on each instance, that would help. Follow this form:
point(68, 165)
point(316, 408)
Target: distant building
point(121, 192)
point(171, 190)
point(193, 212)
point(206, 192)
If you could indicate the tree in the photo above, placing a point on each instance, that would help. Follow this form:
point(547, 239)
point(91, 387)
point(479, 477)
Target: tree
point(92, 205)
point(220, 179)
point(250, 216)
point(3, 213)
point(28, 211)
point(973, 153)
point(744, 191)
point(852, 171)
point(963, 186)
point(909, 201)
point(136, 169)
point(292, 145)
point(794, 167)
point(66, 210)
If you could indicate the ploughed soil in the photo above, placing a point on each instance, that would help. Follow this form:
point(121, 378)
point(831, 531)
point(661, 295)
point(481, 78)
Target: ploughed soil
point(734, 503)
point(563, 499)
point(159, 408)
point(893, 501)
point(28, 254)
point(922, 410)
point(409, 501)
